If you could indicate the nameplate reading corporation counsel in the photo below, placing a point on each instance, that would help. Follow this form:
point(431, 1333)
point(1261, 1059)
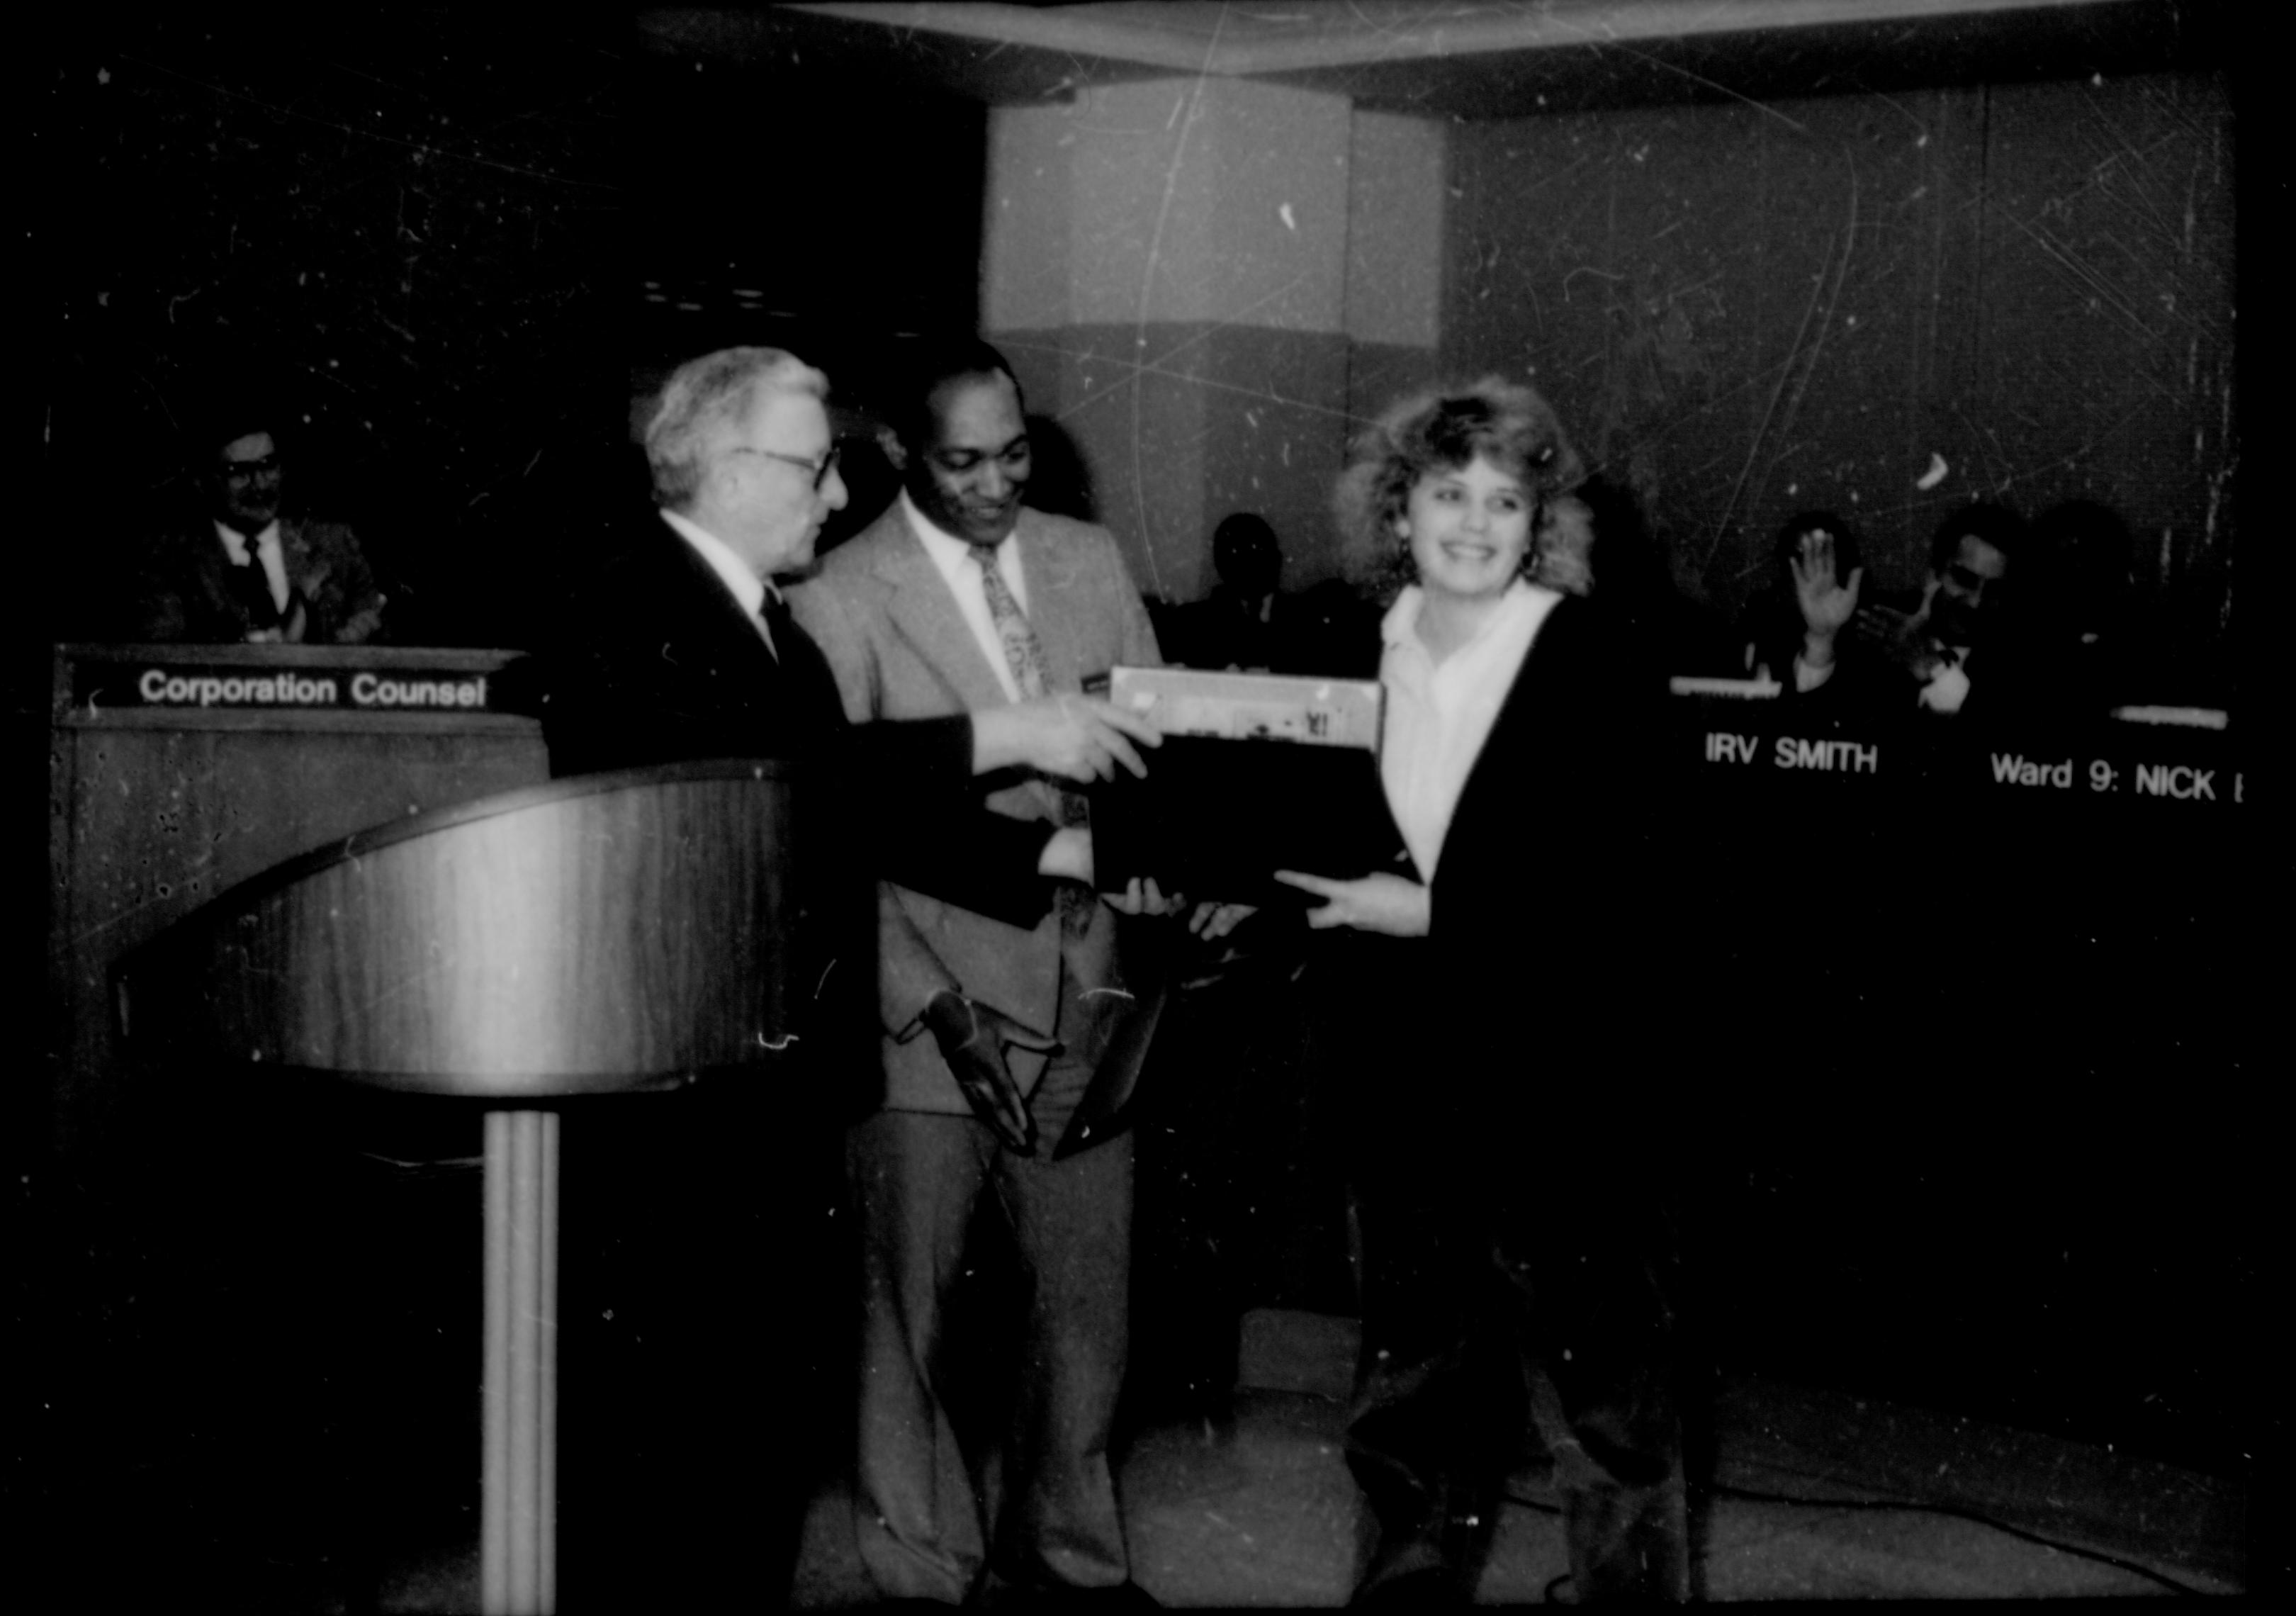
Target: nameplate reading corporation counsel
point(335, 687)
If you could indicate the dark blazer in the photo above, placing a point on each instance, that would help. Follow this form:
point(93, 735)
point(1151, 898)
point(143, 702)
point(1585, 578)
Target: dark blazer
point(654, 661)
point(1524, 1016)
point(1542, 900)
point(184, 592)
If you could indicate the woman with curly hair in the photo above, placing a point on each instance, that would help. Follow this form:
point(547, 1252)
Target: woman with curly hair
point(1516, 1265)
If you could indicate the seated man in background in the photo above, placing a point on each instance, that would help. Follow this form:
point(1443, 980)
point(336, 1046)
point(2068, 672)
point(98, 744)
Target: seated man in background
point(241, 568)
point(1249, 623)
point(2097, 637)
point(1953, 651)
point(1237, 625)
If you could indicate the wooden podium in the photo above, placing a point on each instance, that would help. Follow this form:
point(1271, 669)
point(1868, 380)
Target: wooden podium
point(176, 772)
point(610, 933)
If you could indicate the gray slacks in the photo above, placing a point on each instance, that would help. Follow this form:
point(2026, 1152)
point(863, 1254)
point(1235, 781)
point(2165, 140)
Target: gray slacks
point(1044, 1505)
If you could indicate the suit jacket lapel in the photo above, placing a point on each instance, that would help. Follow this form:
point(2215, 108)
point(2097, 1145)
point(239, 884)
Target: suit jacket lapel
point(732, 638)
point(211, 567)
point(1516, 731)
point(924, 609)
point(295, 554)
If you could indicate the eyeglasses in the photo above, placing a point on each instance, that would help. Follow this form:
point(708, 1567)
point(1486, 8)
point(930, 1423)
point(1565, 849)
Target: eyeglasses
point(820, 469)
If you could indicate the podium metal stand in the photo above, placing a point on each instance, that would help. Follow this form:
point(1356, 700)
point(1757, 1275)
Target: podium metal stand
point(611, 933)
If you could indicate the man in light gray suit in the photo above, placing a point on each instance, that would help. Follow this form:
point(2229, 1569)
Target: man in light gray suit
point(961, 599)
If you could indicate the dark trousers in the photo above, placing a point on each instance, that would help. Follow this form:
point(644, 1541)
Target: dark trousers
point(1039, 1508)
point(1503, 1303)
point(1241, 1202)
point(705, 1307)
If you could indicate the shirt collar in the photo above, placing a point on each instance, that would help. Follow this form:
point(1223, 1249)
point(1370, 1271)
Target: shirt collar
point(1522, 599)
point(243, 543)
point(747, 587)
point(1394, 628)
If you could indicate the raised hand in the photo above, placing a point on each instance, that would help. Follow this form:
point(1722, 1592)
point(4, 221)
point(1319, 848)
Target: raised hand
point(1901, 637)
point(1826, 601)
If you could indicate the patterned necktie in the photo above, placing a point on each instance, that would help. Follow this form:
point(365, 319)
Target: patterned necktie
point(1024, 654)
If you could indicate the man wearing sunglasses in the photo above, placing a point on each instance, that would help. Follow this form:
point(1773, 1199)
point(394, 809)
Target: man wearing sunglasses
point(713, 1289)
point(1954, 638)
point(244, 568)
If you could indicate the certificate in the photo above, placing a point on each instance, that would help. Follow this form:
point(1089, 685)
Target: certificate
point(1257, 773)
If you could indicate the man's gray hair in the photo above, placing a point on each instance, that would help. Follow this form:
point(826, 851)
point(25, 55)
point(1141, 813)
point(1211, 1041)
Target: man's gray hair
point(706, 398)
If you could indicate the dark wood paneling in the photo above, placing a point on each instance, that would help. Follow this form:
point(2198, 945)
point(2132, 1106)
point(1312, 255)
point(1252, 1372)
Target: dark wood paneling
point(590, 934)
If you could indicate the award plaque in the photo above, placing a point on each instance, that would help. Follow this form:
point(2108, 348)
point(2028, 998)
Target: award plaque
point(1257, 773)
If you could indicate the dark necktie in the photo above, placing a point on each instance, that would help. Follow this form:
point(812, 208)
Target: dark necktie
point(773, 611)
point(1024, 654)
point(251, 587)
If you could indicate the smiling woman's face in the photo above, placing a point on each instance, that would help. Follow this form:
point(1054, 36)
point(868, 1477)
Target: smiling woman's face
point(1469, 527)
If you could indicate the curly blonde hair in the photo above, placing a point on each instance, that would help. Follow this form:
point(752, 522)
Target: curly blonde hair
point(1446, 428)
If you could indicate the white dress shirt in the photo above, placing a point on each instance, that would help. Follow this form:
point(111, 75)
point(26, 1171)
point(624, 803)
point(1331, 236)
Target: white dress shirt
point(954, 557)
point(1808, 679)
point(1948, 686)
point(267, 554)
point(747, 587)
point(1439, 714)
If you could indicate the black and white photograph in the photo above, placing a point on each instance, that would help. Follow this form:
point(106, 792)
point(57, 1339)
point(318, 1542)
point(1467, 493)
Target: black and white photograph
point(1218, 804)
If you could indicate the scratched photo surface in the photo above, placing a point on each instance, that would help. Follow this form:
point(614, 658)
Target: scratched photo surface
point(1945, 1048)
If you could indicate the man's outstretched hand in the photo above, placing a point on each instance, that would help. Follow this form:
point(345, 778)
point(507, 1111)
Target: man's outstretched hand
point(1076, 737)
point(972, 1038)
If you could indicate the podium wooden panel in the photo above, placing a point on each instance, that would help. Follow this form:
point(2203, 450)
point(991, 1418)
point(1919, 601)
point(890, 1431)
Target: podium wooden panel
point(611, 932)
point(154, 808)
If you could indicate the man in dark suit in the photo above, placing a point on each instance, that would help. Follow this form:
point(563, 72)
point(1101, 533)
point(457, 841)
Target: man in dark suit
point(1959, 648)
point(960, 599)
point(708, 1295)
point(242, 570)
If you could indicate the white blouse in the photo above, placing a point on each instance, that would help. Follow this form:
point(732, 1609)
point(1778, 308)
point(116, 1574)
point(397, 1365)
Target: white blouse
point(1438, 715)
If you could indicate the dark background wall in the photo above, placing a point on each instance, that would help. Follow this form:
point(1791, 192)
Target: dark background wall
point(1746, 308)
point(456, 247)
point(407, 227)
